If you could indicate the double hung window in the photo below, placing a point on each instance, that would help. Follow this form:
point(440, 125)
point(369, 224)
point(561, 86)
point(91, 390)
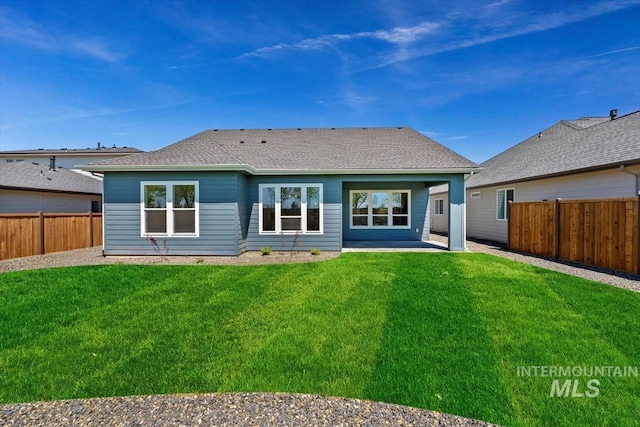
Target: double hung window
point(169, 208)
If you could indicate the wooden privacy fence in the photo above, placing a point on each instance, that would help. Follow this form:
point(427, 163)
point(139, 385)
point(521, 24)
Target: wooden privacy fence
point(42, 233)
point(602, 232)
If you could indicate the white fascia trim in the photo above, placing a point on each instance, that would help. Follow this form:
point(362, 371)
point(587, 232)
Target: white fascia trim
point(253, 171)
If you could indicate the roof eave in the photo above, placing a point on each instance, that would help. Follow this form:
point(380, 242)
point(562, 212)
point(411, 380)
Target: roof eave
point(49, 190)
point(559, 174)
point(255, 171)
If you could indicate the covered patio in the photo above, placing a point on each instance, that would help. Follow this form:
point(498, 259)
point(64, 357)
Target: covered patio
point(393, 246)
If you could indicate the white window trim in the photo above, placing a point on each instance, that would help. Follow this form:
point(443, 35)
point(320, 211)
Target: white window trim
point(476, 194)
point(435, 207)
point(169, 209)
point(506, 202)
point(389, 214)
point(303, 209)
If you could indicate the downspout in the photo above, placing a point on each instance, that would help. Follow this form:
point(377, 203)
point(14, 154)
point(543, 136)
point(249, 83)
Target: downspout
point(636, 174)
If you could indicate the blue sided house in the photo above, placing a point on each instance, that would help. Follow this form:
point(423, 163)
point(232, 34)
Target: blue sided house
point(223, 192)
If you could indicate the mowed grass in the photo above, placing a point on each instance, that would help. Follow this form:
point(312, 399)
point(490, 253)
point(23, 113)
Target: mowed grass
point(445, 332)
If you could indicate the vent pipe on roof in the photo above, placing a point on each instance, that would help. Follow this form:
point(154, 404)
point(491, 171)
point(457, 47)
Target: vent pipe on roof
point(52, 163)
point(99, 146)
point(613, 114)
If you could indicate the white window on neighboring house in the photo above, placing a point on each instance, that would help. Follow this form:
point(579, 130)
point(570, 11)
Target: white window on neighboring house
point(380, 208)
point(290, 208)
point(504, 196)
point(169, 208)
point(439, 207)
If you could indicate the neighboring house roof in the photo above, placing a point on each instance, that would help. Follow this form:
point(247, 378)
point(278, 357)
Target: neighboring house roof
point(567, 147)
point(34, 176)
point(72, 151)
point(281, 151)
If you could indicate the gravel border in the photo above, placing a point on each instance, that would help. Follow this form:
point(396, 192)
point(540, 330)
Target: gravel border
point(609, 277)
point(93, 256)
point(224, 409)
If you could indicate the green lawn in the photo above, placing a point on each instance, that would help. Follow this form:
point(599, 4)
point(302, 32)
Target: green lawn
point(439, 331)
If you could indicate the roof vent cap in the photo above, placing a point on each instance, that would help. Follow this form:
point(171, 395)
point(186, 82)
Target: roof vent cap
point(613, 113)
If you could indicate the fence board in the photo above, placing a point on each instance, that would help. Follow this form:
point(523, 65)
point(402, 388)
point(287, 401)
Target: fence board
point(532, 227)
point(32, 234)
point(602, 232)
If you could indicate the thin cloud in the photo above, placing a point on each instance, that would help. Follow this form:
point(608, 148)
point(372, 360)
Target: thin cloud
point(23, 31)
point(431, 38)
point(397, 35)
point(611, 52)
point(87, 114)
point(526, 24)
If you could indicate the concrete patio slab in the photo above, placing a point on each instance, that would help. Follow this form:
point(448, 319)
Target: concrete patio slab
point(392, 246)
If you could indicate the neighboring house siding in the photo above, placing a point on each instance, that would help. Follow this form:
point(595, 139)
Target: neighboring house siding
point(481, 212)
point(218, 215)
point(419, 201)
point(16, 201)
point(329, 240)
point(593, 185)
point(440, 223)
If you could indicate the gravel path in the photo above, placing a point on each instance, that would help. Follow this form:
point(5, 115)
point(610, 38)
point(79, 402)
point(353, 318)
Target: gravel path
point(227, 409)
point(602, 275)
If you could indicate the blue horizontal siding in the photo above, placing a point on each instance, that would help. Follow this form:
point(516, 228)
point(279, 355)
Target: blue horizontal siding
point(229, 212)
point(329, 240)
point(419, 201)
point(218, 215)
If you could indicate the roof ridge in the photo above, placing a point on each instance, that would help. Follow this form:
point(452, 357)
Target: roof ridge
point(311, 128)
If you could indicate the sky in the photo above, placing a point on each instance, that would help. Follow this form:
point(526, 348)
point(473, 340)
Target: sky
point(476, 76)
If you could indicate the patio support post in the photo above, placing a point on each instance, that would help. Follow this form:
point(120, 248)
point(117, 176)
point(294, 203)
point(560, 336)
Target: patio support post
point(457, 214)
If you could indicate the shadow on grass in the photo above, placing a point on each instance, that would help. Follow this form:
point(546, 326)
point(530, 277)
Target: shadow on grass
point(435, 351)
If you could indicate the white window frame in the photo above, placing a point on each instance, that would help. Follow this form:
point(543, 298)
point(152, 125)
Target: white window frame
point(169, 208)
point(303, 209)
point(506, 203)
point(476, 194)
point(438, 203)
point(389, 213)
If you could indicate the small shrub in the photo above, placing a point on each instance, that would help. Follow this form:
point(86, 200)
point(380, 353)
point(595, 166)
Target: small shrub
point(266, 250)
point(315, 251)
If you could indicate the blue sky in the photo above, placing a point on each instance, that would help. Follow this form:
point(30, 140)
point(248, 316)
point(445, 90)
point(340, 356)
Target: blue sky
point(476, 76)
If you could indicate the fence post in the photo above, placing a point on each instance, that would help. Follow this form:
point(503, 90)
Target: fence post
point(638, 233)
point(558, 228)
point(90, 229)
point(41, 223)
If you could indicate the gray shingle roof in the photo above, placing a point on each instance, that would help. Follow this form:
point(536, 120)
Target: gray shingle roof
point(30, 176)
point(299, 149)
point(564, 148)
point(586, 122)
